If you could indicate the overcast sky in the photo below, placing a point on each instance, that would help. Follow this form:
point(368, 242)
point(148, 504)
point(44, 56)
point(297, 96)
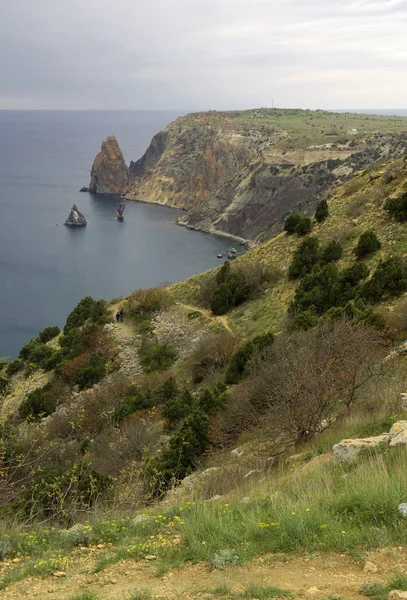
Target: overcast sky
point(203, 54)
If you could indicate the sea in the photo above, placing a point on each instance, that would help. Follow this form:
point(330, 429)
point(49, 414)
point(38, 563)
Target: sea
point(45, 267)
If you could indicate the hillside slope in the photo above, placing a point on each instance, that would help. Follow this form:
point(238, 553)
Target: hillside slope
point(127, 463)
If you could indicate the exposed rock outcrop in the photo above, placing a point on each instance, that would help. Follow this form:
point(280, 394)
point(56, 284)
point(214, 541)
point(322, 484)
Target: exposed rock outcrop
point(109, 174)
point(235, 174)
point(195, 156)
point(75, 218)
point(348, 450)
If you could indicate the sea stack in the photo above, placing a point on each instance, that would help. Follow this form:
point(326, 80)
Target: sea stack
point(75, 218)
point(109, 174)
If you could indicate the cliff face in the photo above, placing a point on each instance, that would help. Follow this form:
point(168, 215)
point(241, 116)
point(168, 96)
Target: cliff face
point(254, 204)
point(195, 156)
point(240, 173)
point(109, 174)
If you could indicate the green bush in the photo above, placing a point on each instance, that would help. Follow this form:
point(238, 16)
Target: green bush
point(51, 493)
point(305, 258)
point(48, 334)
point(14, 366)
point(325, 287)
point(157, 357)
point(397, 207)
point(91, 372)
point(367, 244)
point(291, 222)
point(177, 408)
point(332, 252)
point(38, 404)
point(389, 279)
point(4, 383)
point(87, 309)
point(322, 211)
point(304, 226)
point(357, 309)
point(222, 299)
point(134, 400)
point(237, 368)
point(180, 457)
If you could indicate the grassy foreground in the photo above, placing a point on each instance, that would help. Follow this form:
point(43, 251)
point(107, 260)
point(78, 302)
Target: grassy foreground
point(318, 507)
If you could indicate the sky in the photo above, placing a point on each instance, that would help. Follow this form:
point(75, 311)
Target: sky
point(202, 54)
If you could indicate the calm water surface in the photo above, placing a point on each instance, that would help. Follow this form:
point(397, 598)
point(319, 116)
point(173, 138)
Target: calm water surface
point(45, 157)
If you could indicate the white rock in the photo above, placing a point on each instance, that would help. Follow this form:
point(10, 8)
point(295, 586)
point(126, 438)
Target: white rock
point(250, 473)
point(348, 450)
point(397, 428)
point(399, 440)
point(370, 568)
point(397, 595)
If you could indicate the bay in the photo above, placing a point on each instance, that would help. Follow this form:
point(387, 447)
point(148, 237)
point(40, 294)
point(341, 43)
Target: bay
point(45, 157)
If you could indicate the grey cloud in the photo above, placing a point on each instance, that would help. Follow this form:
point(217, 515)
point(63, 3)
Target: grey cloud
point(199, 53)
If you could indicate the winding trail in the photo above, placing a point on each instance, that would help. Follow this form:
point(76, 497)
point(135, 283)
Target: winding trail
point(221, 319)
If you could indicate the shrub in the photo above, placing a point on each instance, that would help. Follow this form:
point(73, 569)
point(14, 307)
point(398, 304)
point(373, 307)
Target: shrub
point(291, 222)
point(237, 369)
point(176, 409)
point(38, 404)
point(324, 288)
point(225, 557)
point(308, 379)
point(180, 457)
point(4, 383)
point(157, 357)
point(78, 488)
point(305, 258)
point(92, 371)
point(397, 207)
point(14, 366)
point(367, 244)
point(211, 355)
point(48, 334)
point(389, 279)
point(322, 211)
point(145, 302)
point(332, 252)
point(304, 226)
point(135, 400)
point(87, 309)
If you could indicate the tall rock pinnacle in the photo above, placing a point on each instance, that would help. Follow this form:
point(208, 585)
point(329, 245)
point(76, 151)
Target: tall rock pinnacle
point(109, 174)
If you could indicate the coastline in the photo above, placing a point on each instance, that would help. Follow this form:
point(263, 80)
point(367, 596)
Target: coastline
point(242, 241)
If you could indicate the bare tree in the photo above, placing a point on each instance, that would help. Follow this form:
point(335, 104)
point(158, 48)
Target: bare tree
point(305, 380)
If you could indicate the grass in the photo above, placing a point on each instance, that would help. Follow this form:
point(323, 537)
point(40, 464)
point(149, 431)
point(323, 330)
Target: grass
point(379, 591)
point(321, 127)
point(327, 508)
point(85, 596)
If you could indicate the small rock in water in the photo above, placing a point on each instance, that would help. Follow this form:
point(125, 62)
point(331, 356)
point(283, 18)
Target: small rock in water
point(75, 218)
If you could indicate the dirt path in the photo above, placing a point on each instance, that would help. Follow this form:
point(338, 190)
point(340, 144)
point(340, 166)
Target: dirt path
point(222, 320)
point(311, 576)
point(129, 344)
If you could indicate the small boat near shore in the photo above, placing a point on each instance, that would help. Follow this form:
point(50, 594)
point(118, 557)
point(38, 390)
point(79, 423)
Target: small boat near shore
point(120, 212)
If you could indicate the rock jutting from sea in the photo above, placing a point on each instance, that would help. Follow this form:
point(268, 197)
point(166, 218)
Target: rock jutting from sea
point(75, 218)
point(109, 174)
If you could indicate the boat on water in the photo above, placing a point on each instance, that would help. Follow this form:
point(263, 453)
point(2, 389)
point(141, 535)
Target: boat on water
point(120, 212)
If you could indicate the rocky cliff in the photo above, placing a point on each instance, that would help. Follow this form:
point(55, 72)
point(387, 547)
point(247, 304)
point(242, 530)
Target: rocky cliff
point(195, 156)
point(240, 173)
point(109, 174)
point(253, 204)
